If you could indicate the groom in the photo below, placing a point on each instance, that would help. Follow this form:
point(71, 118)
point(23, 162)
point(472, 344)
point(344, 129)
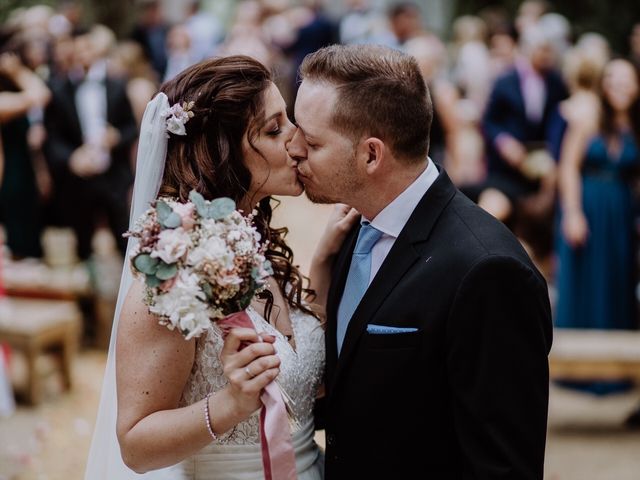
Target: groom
point(438, 323)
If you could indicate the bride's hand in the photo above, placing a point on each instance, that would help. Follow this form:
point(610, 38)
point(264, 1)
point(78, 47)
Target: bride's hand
point(248, 368)
point(340, 222)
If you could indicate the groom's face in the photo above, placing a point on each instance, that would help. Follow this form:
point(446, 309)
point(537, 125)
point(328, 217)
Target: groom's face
point(326, 157)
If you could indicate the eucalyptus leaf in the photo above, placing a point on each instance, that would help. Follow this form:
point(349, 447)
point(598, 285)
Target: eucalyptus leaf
point(164, 210)
point(268, 267)
point(206, 288)
point(200, 203)
point(146, 264)
point(172, 221)
point(152, 281)
point(196, 198)
point(221, 208)
point(166, 271)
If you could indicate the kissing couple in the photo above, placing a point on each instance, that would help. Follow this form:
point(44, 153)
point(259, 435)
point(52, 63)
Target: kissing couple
point(419, 343)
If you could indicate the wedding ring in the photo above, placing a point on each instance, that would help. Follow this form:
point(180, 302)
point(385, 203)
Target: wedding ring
point(246, 369)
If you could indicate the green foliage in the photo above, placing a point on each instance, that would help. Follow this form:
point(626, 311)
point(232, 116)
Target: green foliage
point(166, 271)
point(216, 209)
point(146, 264)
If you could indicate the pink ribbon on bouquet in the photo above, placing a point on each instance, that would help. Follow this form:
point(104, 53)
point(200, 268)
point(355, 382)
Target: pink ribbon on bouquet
point(278, 458)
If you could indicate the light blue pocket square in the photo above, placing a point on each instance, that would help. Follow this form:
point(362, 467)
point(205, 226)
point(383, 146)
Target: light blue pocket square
point(385, 330)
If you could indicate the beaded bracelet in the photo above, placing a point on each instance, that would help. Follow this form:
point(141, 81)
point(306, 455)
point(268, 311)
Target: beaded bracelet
point(207, 418)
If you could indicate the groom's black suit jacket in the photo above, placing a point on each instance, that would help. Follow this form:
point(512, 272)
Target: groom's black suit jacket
point(465, 397)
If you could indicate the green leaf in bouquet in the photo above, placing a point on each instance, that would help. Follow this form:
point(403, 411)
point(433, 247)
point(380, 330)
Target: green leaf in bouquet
point(200, 203)
point(208, 291)
point(163, 210)
point(245, 300)
point(166, 271)
point(220, 208)
point(172, 221)
point(146, 264)
point(152, 281)
point(268, 267)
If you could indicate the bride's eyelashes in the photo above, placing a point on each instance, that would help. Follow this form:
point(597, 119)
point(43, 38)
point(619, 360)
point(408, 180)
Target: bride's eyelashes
point(274, 130)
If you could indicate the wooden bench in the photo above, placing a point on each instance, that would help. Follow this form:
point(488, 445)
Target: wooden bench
point(36, 326)
point(595, 355)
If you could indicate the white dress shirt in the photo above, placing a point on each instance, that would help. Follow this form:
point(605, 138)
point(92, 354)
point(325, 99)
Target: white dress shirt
point(392, 219)
point(91, 105)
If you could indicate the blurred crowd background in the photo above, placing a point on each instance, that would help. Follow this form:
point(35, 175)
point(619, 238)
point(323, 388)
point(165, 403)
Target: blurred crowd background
point(536, 118)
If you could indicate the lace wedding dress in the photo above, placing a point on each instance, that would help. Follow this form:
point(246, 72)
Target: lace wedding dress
point(236, 454)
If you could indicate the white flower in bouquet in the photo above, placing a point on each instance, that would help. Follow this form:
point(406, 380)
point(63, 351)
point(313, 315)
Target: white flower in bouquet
point(172, 245)
point(183, 305)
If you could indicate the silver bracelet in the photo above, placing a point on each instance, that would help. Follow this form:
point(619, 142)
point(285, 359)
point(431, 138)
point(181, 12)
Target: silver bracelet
point(207, 418)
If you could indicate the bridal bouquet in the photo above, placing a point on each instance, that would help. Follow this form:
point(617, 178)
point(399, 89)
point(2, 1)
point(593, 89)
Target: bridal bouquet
point(202, 262)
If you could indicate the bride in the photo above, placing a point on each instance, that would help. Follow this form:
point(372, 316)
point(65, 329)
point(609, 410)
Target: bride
point(190, 409)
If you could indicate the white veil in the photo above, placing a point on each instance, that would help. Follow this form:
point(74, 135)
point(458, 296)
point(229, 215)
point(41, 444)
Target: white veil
point(104, 461)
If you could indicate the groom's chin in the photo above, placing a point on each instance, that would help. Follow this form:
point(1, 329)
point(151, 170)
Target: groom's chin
point(315, 198)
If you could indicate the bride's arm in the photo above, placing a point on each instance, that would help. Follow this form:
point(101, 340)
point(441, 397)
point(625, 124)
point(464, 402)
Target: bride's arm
point(340, 222)
point(152, 368)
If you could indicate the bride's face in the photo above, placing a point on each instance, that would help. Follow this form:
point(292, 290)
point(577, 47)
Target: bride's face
point(273, 172)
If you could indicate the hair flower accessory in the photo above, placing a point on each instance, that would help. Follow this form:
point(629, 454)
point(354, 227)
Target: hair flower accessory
point(177, 116)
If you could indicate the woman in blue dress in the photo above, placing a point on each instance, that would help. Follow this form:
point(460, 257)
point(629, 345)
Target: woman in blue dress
point(596, 246)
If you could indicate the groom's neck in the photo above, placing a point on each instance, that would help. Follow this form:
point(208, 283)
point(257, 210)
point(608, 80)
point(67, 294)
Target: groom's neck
point(382, 189)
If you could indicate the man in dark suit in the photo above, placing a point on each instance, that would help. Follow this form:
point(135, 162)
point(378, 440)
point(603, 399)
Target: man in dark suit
point(438, 323)
point(90, 132)
point(518, 119)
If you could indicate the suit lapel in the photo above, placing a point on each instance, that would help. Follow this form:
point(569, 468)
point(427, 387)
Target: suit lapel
point(70, 92)
point(517, 89)
point(109, 90)
point(401, 258)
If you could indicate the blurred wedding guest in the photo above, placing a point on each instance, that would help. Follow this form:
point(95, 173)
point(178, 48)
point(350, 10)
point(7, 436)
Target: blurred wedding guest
point(313, 30)
point(581, 71)
point(595, 46)
point(470, 59)
point(179, 52)
point(91, 128)
point(503, 48)
point(596, 250)
point(515, 126)
point(150, 30)
point(128, 61)
point(246, 35)
point(407, 24)
point(558, 31)
point(62, 52)
point(362, 23)
point(529, 13)
point(205, 30)
point(21, 90)
point(67, 18)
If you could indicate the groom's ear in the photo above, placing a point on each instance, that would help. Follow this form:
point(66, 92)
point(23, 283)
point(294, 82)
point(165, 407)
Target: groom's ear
point(374, 151)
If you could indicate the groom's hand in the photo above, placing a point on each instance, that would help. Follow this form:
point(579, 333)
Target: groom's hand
point(250, 363)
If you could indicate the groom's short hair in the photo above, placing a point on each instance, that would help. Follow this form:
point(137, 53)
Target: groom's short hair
point(381, 93)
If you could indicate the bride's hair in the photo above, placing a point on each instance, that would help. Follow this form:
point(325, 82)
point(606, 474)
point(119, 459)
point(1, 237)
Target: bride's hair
point(228, 95)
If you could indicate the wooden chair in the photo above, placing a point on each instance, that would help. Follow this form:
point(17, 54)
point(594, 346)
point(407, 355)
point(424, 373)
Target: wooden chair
point(37, 326)
point(595, 355)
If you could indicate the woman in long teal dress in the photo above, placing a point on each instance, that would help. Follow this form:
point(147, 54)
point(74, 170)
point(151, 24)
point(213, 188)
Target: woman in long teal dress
point(600, 156)
point(20, 91)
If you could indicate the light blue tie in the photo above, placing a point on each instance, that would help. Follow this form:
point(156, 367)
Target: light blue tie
point(358, 278)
